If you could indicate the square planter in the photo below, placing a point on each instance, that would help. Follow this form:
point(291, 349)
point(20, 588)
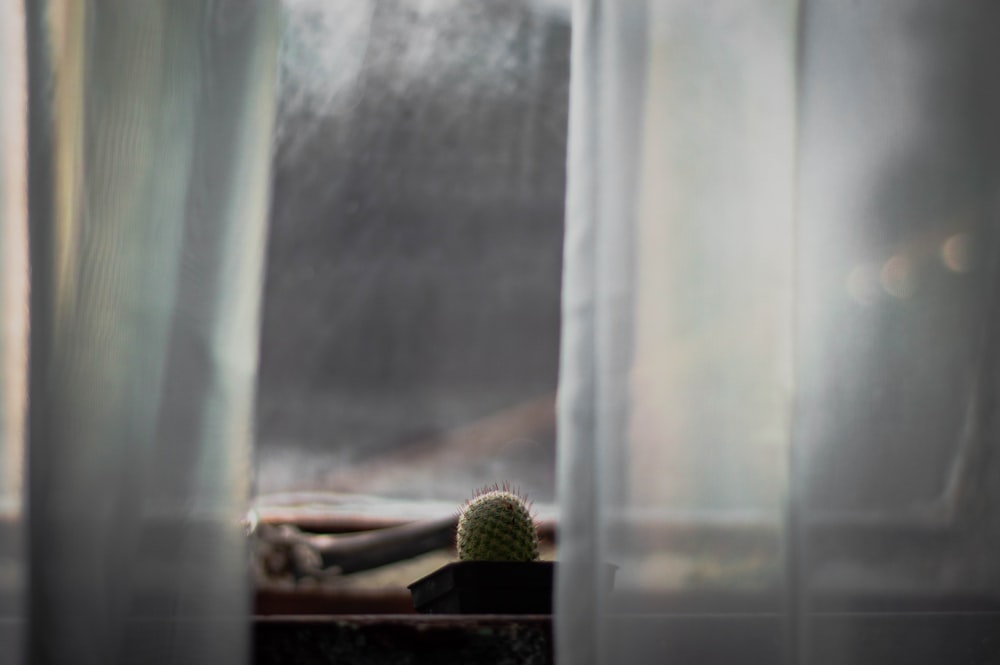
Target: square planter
point(489, 587)
point(486, 587)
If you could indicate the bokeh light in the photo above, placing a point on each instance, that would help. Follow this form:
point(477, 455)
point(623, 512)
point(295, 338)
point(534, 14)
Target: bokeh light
point(863, 284)
point(898, 277)
point(956, 253)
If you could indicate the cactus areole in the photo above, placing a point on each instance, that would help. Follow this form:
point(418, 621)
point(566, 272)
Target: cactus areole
point(496, 525)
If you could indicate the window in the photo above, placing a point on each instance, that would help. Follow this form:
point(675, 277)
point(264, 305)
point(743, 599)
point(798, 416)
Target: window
point(411, 312)
point(411, 318)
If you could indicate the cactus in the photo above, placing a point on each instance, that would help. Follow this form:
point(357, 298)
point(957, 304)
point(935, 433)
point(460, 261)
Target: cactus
point(496, 525)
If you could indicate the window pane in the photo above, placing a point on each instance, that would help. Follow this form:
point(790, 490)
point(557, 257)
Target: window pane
point(411, 316)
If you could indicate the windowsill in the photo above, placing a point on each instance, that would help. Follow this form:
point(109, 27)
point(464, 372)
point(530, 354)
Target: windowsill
point(377, 590)
point(272, 602)
point(393, 639)
point(917, 638)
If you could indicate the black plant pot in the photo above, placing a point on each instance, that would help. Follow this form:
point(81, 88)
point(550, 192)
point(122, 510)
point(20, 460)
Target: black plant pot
point(486, 587)
point(489, 587)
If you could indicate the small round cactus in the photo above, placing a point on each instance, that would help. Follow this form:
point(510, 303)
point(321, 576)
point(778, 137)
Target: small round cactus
point(496, 525)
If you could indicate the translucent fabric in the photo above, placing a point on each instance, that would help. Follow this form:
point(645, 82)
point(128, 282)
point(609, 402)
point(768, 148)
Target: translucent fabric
point(776, 400)
point(13, 330)
point(148, 153)
point(895, 476)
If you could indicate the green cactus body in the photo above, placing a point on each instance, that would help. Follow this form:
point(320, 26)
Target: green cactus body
point(496, 525)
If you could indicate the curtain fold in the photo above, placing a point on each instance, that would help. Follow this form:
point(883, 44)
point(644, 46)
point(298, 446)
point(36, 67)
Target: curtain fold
point(13, 330)
point(606, 93)
point(149, 151)
point(675, 386)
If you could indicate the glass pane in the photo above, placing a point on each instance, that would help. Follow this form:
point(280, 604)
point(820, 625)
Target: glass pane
point(411, 315)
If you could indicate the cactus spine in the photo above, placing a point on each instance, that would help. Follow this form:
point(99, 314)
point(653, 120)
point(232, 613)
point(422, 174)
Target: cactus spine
point(496, 525)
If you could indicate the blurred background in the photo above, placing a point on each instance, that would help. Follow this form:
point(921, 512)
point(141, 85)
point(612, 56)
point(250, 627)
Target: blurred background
point(411, 314)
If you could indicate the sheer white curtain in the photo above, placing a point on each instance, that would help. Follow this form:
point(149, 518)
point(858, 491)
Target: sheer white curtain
point(13, 329)
point(146, 147)
point(677, 311)
point(779, 296)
